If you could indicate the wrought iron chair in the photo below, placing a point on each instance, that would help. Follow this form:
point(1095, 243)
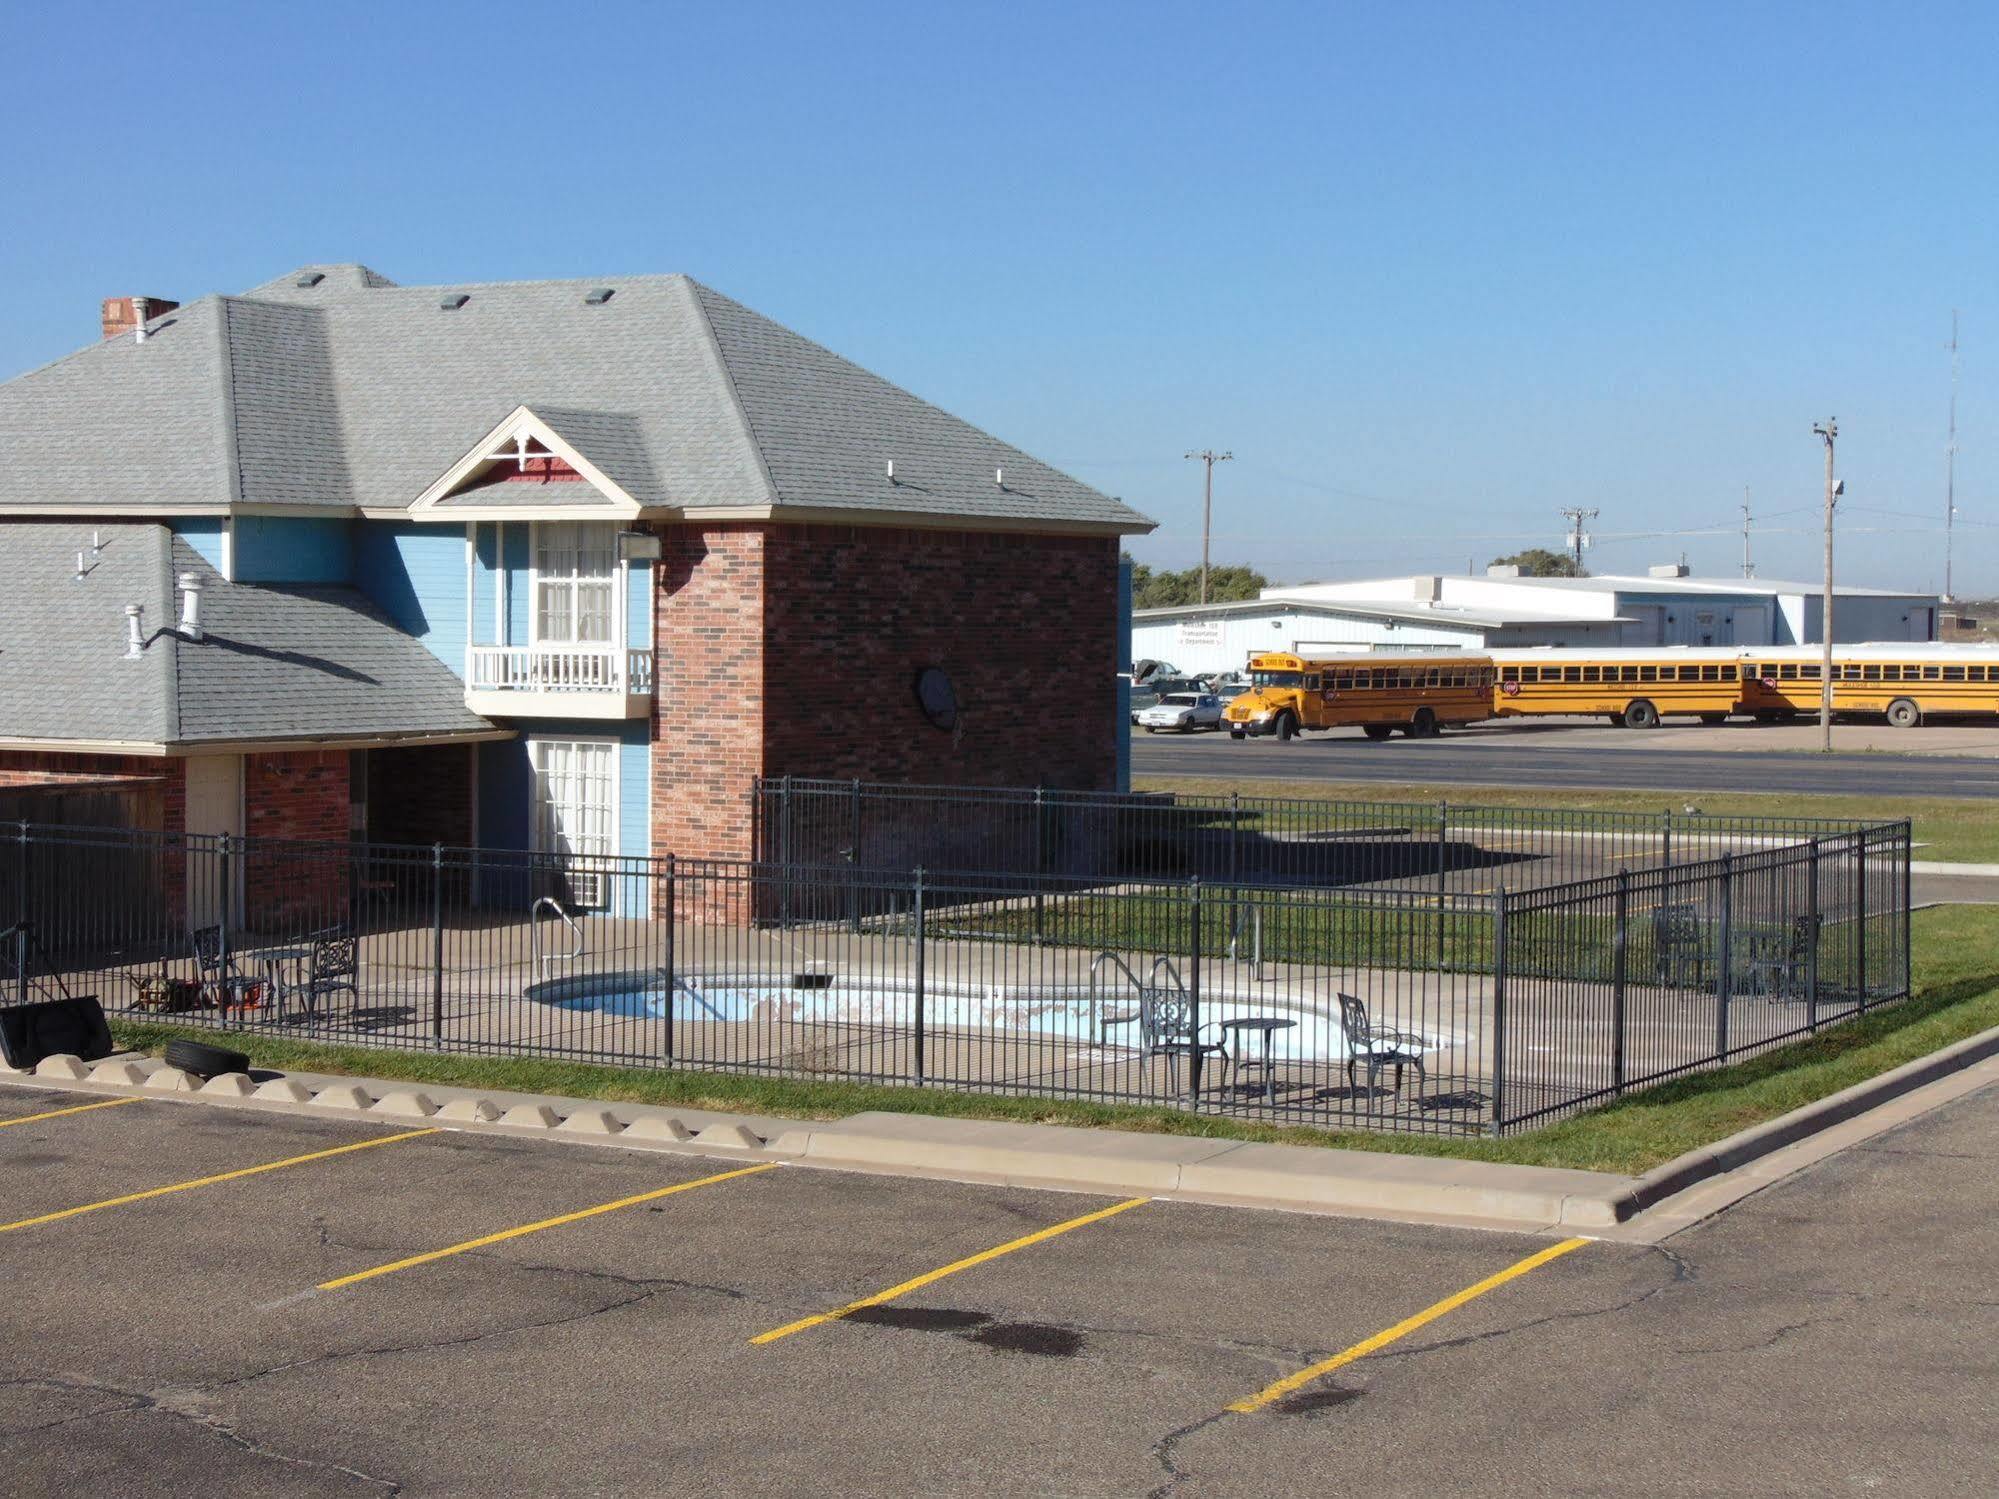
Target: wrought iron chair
point(1377, 1048)
point(1166, 1028)
point(220, 982)
point(333, 968)
point(1778, 970)
point(1680, 943)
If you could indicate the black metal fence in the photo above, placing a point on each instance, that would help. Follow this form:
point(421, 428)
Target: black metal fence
point(1049, 839)
point(1423, 1003)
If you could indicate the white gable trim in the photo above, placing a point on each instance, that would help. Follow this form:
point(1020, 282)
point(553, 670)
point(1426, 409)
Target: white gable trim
point(502, 444)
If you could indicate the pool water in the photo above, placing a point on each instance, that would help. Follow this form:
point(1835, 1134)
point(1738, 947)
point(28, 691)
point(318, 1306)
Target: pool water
point(1046, 1014)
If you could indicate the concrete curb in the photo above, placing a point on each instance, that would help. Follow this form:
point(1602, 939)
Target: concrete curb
point(1289, 1177)
point(1759, 1140)
point(1944, 866)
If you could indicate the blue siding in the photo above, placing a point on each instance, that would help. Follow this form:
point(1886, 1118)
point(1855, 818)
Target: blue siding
point(417, 573)
point(204, 534)
point(293, 549)
point(638, 605)
point(518, 561)
point(506, 797)
point(486, 585)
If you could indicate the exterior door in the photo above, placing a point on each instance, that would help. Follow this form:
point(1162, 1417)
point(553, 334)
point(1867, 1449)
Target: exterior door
point(575, 813)
point(214, 806)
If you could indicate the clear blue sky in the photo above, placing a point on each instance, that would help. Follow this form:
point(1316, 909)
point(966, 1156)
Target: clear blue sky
point(1431, 270)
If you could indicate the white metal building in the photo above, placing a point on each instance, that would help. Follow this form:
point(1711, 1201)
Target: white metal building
point(1502, 609)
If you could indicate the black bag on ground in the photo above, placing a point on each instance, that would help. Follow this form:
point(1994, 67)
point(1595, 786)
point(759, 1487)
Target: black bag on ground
point(54, 1026)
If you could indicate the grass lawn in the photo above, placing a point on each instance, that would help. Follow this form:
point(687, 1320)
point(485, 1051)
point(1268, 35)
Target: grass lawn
point(1965, 830)
point(1957, 995)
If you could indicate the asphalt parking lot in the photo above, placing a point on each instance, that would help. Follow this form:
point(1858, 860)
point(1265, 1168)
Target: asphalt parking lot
point(382, 1311)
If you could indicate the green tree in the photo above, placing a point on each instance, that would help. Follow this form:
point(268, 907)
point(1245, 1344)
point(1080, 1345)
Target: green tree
point(1539, 562)
point(1161, 589)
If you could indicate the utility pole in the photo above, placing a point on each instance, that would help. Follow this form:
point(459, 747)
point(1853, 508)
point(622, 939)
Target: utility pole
point(1748, 567)
point(1578, 538)
point(1950, 463)
point(1209, 458)
point(1828, 431)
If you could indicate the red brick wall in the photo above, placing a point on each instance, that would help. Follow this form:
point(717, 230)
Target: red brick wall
point(794, 650)
point(1025, 626)
point(300, 796)
point(708, 703)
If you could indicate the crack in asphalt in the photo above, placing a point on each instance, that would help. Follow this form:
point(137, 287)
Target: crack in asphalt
point(174, 1404)
point(1770, 1342)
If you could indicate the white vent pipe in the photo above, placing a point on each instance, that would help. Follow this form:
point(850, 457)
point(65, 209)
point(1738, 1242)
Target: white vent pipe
point(190, 606)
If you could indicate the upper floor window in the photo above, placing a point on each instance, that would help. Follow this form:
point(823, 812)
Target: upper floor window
point(575, 564)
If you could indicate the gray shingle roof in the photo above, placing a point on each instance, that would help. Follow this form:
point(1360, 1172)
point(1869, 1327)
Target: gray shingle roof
point(277, 662)
point(357, 392)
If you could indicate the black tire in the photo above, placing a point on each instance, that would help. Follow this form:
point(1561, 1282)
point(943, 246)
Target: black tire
point(1640, 714)
point(1377, 730)
point(1616, 720)
point(1150, 729)
point(1423, 725)
point(199, 1059)
point(1711, 719)
point(1287, 725)
point(1237, 734)
point(1904, 714)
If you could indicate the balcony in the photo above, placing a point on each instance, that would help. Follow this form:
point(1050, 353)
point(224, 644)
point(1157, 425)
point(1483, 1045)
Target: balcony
point(558, 681)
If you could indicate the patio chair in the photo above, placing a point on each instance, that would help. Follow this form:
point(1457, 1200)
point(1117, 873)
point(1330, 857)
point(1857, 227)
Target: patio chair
point(1778, 968)
point(1378, 1048)
point(333, 968)
point(1166, 1029)
point(1679, 945)
point(220, 982)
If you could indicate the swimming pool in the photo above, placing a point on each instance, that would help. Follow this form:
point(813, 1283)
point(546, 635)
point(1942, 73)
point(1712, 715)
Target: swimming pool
point(1058, 1014)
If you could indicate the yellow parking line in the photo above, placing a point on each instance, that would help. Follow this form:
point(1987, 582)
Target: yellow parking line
point(951, 1269)
point(82, 1108)
point(1402, 1329)
point(209, 1181)
point(534, 1228)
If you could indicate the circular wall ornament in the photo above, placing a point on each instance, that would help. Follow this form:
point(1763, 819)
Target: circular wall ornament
point(937, 697)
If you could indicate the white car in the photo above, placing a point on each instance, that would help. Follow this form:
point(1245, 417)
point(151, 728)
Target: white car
point(1182, 712)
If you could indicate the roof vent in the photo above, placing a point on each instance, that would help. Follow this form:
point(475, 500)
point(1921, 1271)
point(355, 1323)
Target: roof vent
point(1503, 570)
point(1667, 570)
point(190, 606)
point(310, 279)
point(454, 300)
point(599, 297)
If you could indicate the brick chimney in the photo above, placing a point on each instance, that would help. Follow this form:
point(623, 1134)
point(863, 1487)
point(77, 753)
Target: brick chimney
point(126, 314)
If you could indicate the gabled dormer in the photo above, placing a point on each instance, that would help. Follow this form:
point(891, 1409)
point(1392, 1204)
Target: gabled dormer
point(558, 584)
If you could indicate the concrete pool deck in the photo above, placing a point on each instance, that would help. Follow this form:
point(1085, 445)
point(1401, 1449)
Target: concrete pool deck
point(1559, 1033)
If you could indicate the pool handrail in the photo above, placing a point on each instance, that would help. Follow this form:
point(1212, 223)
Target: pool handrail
point(541, 959)
point(1096, 966)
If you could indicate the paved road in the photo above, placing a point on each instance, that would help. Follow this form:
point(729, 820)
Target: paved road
point(1833, 1334)
point(1540, 759)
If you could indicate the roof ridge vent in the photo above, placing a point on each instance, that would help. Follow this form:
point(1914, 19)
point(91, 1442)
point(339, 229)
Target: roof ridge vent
point(309, 280)
point(452, 301)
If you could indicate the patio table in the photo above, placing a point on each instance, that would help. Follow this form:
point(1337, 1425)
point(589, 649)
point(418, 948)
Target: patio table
point(1268, 1027)
point(282, 974)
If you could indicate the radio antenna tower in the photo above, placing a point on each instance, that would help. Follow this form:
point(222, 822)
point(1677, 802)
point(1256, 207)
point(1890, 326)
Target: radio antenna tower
point(1950, 463)
point(1578, 537)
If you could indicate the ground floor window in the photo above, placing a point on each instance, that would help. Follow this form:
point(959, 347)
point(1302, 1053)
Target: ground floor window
point(575, 813)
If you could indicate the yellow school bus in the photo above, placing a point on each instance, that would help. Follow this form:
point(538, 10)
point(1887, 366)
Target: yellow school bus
point(1635, 688)
point(1902, 683)
point(1421, 695)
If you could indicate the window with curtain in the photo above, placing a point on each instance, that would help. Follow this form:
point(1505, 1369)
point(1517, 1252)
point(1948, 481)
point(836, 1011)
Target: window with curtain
point(575, 567)
point(575, 812)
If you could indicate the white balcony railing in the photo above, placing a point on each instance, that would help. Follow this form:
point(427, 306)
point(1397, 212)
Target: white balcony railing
point(558, 668)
